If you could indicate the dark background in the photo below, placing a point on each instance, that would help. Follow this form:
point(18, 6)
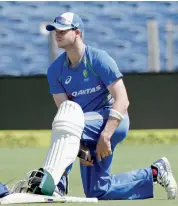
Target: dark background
point(26, 103)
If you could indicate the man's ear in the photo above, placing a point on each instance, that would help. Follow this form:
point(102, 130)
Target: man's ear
point(78, 33)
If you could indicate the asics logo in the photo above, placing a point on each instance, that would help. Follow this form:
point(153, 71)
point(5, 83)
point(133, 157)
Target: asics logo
point(67, 81)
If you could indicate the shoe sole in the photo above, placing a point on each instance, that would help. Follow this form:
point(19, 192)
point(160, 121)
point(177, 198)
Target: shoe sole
point(172, 192)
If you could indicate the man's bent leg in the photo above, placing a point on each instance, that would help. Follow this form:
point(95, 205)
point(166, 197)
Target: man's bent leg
point(137, 184)
point(65, 143)
point(98, 182)
point(65, 139)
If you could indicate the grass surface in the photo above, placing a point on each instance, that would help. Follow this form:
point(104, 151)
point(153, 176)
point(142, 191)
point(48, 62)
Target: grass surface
point(41, 138)
point(15, 162)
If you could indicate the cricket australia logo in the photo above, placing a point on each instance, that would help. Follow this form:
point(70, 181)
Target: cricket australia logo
point(85, 74)
point(67, 81)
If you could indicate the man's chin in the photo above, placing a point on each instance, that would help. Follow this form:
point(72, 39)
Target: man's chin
point(60, 46)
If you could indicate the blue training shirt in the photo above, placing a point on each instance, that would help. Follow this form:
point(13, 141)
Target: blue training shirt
point(85, 84)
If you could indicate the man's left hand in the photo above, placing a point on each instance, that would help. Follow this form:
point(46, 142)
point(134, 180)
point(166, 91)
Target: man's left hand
point(103, 148)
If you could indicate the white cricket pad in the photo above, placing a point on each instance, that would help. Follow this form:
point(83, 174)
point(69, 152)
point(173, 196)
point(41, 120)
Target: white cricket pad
point(22, 198)
point(67, 129)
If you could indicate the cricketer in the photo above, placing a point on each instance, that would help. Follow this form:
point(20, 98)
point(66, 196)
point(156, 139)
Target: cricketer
point(89, 92)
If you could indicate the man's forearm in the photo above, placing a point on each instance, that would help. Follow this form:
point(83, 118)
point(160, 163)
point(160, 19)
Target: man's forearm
point(113, 123)
point(110, 127)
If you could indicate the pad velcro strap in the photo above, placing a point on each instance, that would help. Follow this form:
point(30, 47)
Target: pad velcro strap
point(116, 114)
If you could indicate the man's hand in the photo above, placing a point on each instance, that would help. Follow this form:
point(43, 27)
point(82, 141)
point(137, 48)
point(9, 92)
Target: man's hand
point(89, 161)
point(103, 148)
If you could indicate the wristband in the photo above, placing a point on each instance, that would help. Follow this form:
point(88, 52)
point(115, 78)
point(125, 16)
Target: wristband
point(116, 114)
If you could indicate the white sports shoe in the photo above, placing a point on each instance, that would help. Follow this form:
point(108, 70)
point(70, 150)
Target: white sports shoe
point(165, 177)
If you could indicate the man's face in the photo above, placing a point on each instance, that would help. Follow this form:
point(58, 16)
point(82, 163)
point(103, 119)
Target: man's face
point(65, 38)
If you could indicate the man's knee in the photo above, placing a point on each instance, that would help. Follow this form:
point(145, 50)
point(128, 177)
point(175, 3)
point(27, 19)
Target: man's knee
point(98, 189)
point(95, 193)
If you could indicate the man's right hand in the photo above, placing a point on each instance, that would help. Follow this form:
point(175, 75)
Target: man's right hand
point(89, 161)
